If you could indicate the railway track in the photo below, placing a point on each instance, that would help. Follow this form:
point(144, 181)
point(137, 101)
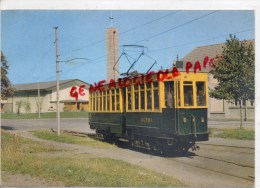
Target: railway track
point(79, 134)
point(229, 160)
point(229, 146)
point(249, 177)
point(226, 161)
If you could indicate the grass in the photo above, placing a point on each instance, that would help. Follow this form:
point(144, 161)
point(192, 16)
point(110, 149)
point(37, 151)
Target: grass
point(70, 139)
point(79, 170)
point(46, 115)
point(242, 134)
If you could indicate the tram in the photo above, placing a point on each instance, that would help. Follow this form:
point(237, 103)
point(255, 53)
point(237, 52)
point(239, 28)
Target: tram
point(159, 111)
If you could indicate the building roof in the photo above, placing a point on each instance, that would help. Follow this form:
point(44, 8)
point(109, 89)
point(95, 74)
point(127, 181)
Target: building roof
point(199, 53)
point(43, 85)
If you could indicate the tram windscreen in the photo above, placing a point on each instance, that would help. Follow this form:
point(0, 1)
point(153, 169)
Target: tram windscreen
point(188, 95)
point(201, 95)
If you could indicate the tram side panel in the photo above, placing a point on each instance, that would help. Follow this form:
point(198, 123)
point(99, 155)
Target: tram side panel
point(146, 124)
point(111, 122)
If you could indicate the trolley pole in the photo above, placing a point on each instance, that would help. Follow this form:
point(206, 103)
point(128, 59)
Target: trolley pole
point(58, 84)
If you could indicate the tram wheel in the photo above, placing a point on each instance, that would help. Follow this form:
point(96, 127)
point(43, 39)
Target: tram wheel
point(130, 139)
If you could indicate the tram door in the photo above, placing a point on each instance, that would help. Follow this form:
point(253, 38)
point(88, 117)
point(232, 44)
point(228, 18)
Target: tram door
point(177, 104)
point(124, 111)
point(169, 94)
point(168, 118)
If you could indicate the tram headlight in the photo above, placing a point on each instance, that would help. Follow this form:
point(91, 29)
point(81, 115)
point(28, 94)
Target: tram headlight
point(202, 119)
point(184, 120)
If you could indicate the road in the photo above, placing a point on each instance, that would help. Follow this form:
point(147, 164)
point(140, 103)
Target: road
point(81, 124)
point(218, 163)
point(231, 124)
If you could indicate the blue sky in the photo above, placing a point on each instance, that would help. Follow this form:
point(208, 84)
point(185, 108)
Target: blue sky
point(28, 37)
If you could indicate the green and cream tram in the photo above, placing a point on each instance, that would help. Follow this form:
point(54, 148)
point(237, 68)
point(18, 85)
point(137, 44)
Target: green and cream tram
point(155, 111)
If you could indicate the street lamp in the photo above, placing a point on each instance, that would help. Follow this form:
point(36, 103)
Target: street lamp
point(39, 113)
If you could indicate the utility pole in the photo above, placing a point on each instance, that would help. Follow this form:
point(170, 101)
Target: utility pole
point(39, 103)
point(58, 84)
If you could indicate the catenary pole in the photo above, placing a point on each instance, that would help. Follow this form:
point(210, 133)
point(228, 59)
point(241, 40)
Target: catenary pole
point(58, 84)
point(39, 107)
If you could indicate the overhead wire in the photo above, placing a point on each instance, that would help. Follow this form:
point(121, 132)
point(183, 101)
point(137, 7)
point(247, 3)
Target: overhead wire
point(161, 33)
point(176, 27)
point(147, 23)
point(124, 32)
point(37, 64)
point(188, 22)
point(185, 44)
point(93, 61)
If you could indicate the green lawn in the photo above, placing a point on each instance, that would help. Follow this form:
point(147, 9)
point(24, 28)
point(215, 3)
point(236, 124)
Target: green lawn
point(242, 134)
point(75, 170)
point(70, 139)
point(45, 115)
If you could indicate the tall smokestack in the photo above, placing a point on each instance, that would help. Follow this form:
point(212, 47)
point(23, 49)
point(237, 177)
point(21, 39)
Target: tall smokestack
point(112, 54)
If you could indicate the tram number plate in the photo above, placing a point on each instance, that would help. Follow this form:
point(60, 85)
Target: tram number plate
point(147, 119)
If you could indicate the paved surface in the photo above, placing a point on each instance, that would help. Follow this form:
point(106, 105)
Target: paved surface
point(81, 124)
point(231, 124)
point(76, 124)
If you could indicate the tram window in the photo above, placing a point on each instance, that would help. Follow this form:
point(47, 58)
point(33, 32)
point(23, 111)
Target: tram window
point(156, 95)
point(142, 96)
point(96, 102)
point(169, 93)
point(100, 101)
point(113, 99)
point(188, 95)
point(201, 96)
point(104, 101)
point(108, 100)
point(117, 100)
point(129, 98)
point(93, 102)
point(149, 96)
point(90, 102)
point(136, 96)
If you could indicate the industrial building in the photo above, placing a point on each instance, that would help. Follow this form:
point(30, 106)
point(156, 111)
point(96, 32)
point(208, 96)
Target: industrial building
point(28, 93)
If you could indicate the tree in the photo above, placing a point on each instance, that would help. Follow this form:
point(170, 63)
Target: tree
point(39, 102)
point(19, 106)
point(27, 106)
point(235, 72)
point(6, 88)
